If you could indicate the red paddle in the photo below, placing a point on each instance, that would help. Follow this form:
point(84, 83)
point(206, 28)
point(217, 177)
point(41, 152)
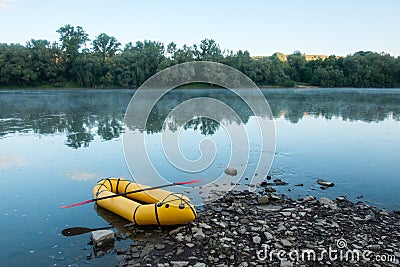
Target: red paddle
point(126, 193)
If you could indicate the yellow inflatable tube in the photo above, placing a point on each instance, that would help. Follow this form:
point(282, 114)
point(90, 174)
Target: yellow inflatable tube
point(151, 207)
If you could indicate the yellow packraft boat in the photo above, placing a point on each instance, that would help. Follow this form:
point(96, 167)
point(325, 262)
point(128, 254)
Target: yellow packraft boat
point(150, 207)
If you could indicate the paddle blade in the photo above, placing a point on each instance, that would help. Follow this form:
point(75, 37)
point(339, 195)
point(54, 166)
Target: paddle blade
point(77, 204)
point(81, 230)
point(75, 231)
point(190, 182)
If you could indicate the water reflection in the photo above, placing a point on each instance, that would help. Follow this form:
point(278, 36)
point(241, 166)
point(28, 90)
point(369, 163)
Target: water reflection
point(83, 115)
point(368, 105)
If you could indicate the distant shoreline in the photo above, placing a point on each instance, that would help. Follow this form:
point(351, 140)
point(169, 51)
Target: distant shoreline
point(38, 88)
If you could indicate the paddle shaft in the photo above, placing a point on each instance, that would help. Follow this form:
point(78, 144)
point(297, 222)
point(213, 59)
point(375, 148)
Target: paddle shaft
point(127, 193)
point(132, 192)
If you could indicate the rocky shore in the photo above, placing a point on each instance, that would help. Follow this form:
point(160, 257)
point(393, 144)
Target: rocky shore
point(249, 229)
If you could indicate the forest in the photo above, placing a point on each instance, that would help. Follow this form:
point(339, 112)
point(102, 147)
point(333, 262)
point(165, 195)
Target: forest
point(77, 61)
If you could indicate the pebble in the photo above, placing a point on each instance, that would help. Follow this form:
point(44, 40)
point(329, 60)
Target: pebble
point(309, 198)
point(328, 202)
point(286, 263)
point(179, 263)
point(256, 239)
point(268, 235)
point(159, 246)
point(286, 243)
point(231, 171)
point(262, 200)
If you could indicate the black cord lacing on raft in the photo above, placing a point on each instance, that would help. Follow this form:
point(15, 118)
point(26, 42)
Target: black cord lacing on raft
point(178, 196)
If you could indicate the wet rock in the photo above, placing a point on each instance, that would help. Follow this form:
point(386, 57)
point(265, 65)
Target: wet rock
point(100, 237)
point(325, 183)
point(270, 190)
point(275, 197)
point(231, 171)
point(279, 182)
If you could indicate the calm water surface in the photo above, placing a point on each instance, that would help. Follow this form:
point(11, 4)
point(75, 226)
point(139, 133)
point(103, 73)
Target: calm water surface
point(55, 145)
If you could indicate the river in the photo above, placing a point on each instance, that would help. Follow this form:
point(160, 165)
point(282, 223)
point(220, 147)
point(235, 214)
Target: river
point(55, 145)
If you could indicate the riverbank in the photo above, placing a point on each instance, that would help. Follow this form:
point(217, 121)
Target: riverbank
point(246, 229)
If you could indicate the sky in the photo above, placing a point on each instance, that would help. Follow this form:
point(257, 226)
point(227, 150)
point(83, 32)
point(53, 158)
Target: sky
point(323, 27)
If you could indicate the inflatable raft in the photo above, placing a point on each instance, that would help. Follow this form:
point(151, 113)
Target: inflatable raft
point(150, 207)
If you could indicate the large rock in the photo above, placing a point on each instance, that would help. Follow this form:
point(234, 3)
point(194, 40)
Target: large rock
point(101, 237)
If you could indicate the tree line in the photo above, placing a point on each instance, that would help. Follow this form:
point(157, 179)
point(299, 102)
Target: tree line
point(107, 64)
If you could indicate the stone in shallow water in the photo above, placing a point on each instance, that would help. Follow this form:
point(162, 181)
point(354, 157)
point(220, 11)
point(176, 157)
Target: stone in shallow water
point(325, 183)
point(231, 171)
point(100, 237)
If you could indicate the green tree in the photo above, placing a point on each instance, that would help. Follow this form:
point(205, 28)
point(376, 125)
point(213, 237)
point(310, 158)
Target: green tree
point(208, 50)
point(45, 61)
point(184, 54)
point(105, 45)
point(72, 41)
point(297, 66)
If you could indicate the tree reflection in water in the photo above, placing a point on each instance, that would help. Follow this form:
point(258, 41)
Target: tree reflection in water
point(84, 114)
